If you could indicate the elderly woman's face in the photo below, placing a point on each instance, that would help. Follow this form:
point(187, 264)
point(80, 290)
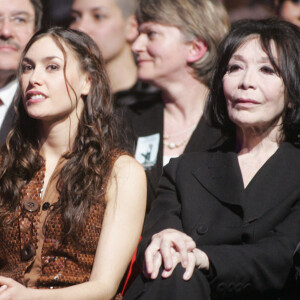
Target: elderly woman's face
point(254, 93)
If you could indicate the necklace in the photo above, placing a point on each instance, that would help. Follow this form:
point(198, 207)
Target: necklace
point(173, 145)
point(167, 136)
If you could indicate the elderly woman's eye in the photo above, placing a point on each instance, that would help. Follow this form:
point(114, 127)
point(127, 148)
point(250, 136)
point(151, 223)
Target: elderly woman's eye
point(233, 68)
point(268, 70)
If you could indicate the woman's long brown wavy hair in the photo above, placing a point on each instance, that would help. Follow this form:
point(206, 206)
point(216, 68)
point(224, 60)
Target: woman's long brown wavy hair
point(98, 140)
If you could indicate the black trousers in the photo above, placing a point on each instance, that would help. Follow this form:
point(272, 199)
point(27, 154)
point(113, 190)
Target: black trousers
point(173, 288)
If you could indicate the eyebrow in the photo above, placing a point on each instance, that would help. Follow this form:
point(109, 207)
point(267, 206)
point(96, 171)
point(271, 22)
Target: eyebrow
point(93, 9)
point(27, 59)
point(240, 57)
point(18, 12)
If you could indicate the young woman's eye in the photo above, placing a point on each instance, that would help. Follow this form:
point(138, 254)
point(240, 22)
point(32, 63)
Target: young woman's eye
point(268, 70)
point(52, 67)
point(233, 68)
point(26, 68)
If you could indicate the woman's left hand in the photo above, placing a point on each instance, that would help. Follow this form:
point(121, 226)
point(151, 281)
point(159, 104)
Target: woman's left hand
point(12, 290)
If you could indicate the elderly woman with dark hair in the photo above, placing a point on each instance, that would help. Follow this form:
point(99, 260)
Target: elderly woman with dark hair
point(226, 221)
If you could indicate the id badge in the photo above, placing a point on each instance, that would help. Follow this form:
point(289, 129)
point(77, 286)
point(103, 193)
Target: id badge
point(147, 150)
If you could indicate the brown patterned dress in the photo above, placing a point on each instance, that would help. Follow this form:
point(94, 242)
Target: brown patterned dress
point(32, 248)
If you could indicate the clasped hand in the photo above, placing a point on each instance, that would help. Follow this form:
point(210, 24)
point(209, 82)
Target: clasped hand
point(170, 247)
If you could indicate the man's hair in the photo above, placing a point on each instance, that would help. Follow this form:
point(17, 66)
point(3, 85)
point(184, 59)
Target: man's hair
point(38, 11)
point(203, 19)
point(127, 7)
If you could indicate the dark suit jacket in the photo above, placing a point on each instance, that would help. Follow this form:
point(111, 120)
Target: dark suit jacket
point(7, 123)
point(147, 119)
point(249, 234)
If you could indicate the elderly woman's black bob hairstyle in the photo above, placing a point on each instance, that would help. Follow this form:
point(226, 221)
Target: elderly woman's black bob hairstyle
point(286, 37)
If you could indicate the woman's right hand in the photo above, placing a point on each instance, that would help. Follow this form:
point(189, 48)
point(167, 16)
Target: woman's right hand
point(170, 247)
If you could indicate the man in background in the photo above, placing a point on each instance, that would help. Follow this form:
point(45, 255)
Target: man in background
point(19, 19)
point(112, 25)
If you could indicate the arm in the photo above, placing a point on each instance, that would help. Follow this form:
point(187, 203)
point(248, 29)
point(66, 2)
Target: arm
point(163, 239)
point(122, 225)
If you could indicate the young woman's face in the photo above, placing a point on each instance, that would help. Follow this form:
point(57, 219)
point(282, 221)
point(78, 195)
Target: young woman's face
point(46, 94)
point(161, 52)
point(254, 93)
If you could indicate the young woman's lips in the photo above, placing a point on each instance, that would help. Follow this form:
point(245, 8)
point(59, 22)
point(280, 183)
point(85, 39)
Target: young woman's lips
point(35, 97)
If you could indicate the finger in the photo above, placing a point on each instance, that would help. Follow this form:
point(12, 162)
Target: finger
point(190, 267)
point(190, 244)
point(150, 252)
point(157, 261)
point(165, 250)
point(182, 248)
point(184, 244)
point(175, 261)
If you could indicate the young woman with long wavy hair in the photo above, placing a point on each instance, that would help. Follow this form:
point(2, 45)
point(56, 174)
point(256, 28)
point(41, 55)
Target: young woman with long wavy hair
point(70, 194)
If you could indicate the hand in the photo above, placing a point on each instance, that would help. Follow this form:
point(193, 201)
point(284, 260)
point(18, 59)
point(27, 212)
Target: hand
point(169, 247)
point(12, 290)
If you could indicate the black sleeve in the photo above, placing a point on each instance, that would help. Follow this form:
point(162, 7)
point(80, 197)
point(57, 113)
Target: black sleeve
point(165, 210)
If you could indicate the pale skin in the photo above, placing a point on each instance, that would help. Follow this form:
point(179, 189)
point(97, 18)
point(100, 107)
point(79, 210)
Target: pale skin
point(255, 97)
point(163, 57)
point(125, 193)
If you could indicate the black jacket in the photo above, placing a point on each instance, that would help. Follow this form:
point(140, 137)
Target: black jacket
point(146, 119)
point(249, 235)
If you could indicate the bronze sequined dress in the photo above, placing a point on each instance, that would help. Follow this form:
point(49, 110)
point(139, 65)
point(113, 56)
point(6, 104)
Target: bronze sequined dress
point(32, 248)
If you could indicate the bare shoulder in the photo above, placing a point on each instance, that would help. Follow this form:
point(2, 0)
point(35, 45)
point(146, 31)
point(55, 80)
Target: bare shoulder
point(127, 179)
point(126, 166)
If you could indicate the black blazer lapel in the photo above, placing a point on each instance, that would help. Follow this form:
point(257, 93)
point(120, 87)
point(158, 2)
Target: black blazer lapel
point(220, 174)
point(265, 189)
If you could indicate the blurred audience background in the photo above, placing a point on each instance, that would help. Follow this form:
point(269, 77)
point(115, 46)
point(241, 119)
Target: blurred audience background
point(57, 12)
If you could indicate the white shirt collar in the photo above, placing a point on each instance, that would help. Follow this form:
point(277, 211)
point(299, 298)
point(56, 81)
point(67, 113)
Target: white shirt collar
point(8, 91)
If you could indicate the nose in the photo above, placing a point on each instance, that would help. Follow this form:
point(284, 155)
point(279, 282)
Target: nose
point(5, 28)
point(248, 79)
point(140, 43)
point(35, 78)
